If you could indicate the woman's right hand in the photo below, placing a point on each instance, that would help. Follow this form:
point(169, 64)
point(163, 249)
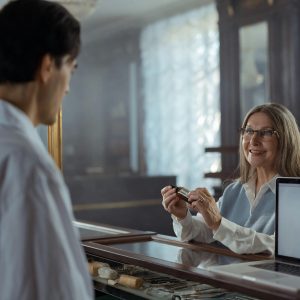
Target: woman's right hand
point(172, 203)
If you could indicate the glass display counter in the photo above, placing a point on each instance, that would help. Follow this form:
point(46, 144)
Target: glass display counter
point(170, 269)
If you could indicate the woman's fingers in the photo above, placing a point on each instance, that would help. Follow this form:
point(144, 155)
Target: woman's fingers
point(168, 194)
point(205, 204)
point(165, 189)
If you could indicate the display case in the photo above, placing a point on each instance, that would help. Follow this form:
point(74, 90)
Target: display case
point(170, 268)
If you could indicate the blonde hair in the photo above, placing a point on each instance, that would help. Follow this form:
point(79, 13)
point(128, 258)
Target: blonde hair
point(288, 162)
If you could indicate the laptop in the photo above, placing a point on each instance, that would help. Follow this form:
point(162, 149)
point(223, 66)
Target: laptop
point(283, 272)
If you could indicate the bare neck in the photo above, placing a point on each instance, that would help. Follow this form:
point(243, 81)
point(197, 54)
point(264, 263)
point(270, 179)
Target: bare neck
point(263, 176)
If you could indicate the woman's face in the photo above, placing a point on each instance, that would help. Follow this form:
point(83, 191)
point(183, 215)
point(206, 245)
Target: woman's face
point(260, 150)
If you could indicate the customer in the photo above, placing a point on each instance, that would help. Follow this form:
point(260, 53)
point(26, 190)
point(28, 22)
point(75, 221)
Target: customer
point(243, 218)
point(40, 253)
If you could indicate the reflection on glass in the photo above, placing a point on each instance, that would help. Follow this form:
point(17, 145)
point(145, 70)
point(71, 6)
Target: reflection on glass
point(90, 231)
point(254, 76)
point(152, 249)
point(200, 259)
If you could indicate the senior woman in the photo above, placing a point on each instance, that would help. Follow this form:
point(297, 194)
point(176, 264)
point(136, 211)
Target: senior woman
point(244, 217)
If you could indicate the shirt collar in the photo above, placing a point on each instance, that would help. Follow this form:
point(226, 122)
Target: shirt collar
point(250, 184)
point(272, 184)
point(250, 188)
point(13, 117)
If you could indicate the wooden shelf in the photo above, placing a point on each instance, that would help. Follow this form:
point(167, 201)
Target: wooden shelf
point(222, 149)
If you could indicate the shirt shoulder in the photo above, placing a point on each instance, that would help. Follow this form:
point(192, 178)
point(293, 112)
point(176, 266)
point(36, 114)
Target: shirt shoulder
point(20, 152)
point(28, 174)
point(233, 191)
point(234, 187)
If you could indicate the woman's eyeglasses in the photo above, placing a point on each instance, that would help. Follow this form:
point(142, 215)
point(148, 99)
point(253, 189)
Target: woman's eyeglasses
point(248, 133)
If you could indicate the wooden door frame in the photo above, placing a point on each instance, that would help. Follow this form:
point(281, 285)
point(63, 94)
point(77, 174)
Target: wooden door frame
point(55, 140)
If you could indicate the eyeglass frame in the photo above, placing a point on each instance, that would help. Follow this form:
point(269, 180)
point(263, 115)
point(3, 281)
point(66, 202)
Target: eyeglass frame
point(260, 132)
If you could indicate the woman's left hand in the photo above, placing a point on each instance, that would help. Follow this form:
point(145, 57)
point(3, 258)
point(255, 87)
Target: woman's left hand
point(200, 200)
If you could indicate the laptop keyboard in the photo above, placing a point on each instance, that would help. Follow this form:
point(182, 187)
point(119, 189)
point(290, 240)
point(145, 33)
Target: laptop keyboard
point(280, 267)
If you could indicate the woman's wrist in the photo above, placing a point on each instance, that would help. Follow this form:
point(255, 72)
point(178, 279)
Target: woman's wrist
point(180, 217)
point(217, 224)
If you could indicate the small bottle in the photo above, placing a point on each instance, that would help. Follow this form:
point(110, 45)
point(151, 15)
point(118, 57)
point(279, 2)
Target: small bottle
point(182, 192)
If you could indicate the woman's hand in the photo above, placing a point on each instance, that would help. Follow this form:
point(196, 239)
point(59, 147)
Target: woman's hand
point(172, 203)
point(200, 200)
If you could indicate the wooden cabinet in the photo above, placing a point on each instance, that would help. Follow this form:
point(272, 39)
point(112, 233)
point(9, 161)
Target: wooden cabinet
point(126, 201)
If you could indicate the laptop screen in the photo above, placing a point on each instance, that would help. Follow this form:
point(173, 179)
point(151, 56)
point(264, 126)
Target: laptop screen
point(288, 218)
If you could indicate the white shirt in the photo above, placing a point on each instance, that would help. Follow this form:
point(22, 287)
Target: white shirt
point(250, 189)
point(40, 253)
point(237, 238)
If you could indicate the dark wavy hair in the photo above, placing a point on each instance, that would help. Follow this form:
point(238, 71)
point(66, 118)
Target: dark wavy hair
point(288, 161)
point(29, 29)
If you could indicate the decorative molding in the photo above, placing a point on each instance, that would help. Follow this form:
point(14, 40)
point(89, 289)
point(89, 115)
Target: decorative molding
point(116, 205)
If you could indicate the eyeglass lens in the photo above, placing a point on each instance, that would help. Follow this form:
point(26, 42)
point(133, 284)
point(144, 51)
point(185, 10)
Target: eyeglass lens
point(263, 133)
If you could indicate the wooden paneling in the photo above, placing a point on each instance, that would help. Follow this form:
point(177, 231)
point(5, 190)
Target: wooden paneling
point(126, 201)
